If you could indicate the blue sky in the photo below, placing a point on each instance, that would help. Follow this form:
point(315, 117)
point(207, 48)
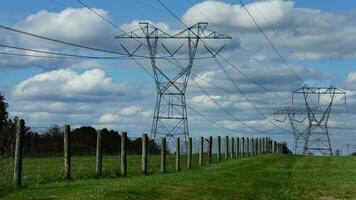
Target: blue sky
point(320, 33)
point(125, 11)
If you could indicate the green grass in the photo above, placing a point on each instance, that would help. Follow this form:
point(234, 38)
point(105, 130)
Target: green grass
point(261, 177)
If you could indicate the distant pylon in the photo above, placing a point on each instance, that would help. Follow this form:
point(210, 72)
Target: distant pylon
point(299, 135)
point(170, 114)
point(317, 140)
point(350, 148)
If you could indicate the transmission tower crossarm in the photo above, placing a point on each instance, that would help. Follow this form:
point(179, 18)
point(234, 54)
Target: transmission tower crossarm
point(195, 31)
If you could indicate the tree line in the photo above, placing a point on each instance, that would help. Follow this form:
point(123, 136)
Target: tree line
point(50, 141)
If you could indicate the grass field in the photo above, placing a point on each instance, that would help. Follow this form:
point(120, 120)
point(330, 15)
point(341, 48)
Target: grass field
point(261, 177)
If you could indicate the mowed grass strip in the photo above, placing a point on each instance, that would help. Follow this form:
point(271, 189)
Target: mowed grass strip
point(38, 171)
point(261, 177)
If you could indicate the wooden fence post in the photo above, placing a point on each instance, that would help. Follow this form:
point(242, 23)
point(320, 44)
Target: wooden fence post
point(243, 146)
point(20, 131)
point(190, 148)
point(226, 147)
point(266, 141)
point(177, 154)
point(218, 154)
point(232, 154)
point(163, 155)
point(255, 139)
point(248, 151)
point(123, 154)
point(260, 145)
point(210, 149)
point(144, 153)
point(67, 152)
point(238, 148)
point(201, 151)
point(252, 147)
point(256, 147)
point(99, 153)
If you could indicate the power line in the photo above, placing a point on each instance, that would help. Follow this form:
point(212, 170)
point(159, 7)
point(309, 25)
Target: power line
point(235, 67)
point(270, 42)
point(239, 70)
point(215, 102)
point(34, 56)
point(60, 41)
point(240, 91)
point(99, 15)
point(105, 19)
point(191, 108)
point(244, 74)
point(283, 42)
point(245, 96)
point(64, 55)
point(226, 60)
point(225, 110)
point(79, 45)
point(229, 113)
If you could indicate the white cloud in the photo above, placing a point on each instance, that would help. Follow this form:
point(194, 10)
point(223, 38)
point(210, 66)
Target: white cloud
point(66, 84)
point(205, 101)
point(130, 111)
point(311, 33)
point(56, 107)
point(234, 15)
point(129, 115)
point(109, 119)
point(76, 25)
point(71, 24)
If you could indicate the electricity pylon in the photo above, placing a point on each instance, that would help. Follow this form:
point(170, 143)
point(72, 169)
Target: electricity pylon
point(170, 113)
point(317, 140)
point(299, 135)
point(350, 148)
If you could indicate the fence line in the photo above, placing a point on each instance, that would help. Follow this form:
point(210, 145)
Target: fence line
point(204, 148)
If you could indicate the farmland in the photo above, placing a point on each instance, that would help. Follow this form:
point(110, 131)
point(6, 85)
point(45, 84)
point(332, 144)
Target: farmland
point(260, 177)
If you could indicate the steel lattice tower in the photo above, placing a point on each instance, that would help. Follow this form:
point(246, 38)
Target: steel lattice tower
point(170, 113)
point(351, 148)
point(299, 135)
point(317, 140)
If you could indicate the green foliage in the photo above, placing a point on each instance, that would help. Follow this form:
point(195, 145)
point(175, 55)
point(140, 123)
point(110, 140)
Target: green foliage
point(83, 139)
point(7, 130)
point(3, 112)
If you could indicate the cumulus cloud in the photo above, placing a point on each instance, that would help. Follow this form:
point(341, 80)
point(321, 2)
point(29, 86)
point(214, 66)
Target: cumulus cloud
point(313, 34)
point(234, 15)
point(76, 25)
point(71, 24)
point(109, 119)
point(68, 85)
point(128, 115)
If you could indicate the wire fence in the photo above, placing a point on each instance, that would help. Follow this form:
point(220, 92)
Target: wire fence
point(44, 149)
